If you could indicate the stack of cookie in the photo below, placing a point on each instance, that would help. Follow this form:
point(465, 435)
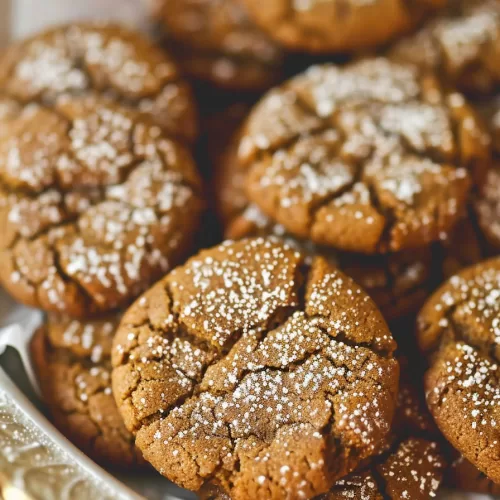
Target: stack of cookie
point(99, 197)
point(348, 192)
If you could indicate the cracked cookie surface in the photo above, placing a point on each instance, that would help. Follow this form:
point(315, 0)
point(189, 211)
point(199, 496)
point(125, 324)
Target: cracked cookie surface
point(458, 329)
point(336, 25)
point(100, 58)
point(370, 157)
point(463, 44)
point(399, 283)
point(96, 203)
point(410, 465)
point(253, 371)
point(72, 362)
point(215, 41)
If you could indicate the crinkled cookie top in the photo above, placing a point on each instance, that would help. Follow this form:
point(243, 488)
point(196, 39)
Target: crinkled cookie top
point(370, 157)
point(96, 202)
point(252, 370)
point(100, 58)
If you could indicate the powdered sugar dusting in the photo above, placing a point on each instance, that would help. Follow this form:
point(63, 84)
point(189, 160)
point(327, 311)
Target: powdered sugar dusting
point(371, 146)
point(292, 352)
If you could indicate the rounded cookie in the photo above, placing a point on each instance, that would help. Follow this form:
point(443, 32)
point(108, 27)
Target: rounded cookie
point(106, 59)
point(458, 329)
point(462, 44)
point(252, 370)
point(72, 362)
point(215, 41)
point(96, 203)
point(336, 25)
point(370, 157)
point(487, 205)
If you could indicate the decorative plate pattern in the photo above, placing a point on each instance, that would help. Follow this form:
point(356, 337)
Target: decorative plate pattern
point(33, 465)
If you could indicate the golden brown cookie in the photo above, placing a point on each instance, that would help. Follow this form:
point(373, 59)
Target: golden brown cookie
point(462, 44)
point(72, 362)
point(96, 203)
point(100, 58)
point(458, 329)
point(328, 26)
point(256, 371)
point(487, 206)
point(215, 41)
point(399, 283)
point(370, 157)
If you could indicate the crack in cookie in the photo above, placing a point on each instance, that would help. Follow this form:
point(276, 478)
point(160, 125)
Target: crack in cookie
point(96, 203)
point(106, 59)
point(294, 368)
point(380, 158)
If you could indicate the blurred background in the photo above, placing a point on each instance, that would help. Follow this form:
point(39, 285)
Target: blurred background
point(19, 18)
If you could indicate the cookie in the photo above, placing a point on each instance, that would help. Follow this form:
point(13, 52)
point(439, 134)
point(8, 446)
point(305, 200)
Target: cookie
point(72, 362)
point(100, 58)
point(252, 370)
point(96, 203)
point(487, 206)
point(335, 25)
point(370, 157)
point(216, 42)
point(462, 44)
point(399, 283)
point(458, 331)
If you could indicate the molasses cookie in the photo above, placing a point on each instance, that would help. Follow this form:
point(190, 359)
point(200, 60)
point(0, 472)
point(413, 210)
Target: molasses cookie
point(215, 41)
point(105, 59)
point(337, 25)
point(370, 157)
point(458, 329)
point(256, 371)
point(463, 44)
point(96, 203)
point(72, 361)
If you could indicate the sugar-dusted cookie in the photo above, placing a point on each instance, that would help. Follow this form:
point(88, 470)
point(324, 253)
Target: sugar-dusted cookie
point(215, 41)
point(96, 203)
point(458, 329)
point(250, 369)
point(107, 59)
point(370, 157)
point(72, 362)
point(326, 26)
